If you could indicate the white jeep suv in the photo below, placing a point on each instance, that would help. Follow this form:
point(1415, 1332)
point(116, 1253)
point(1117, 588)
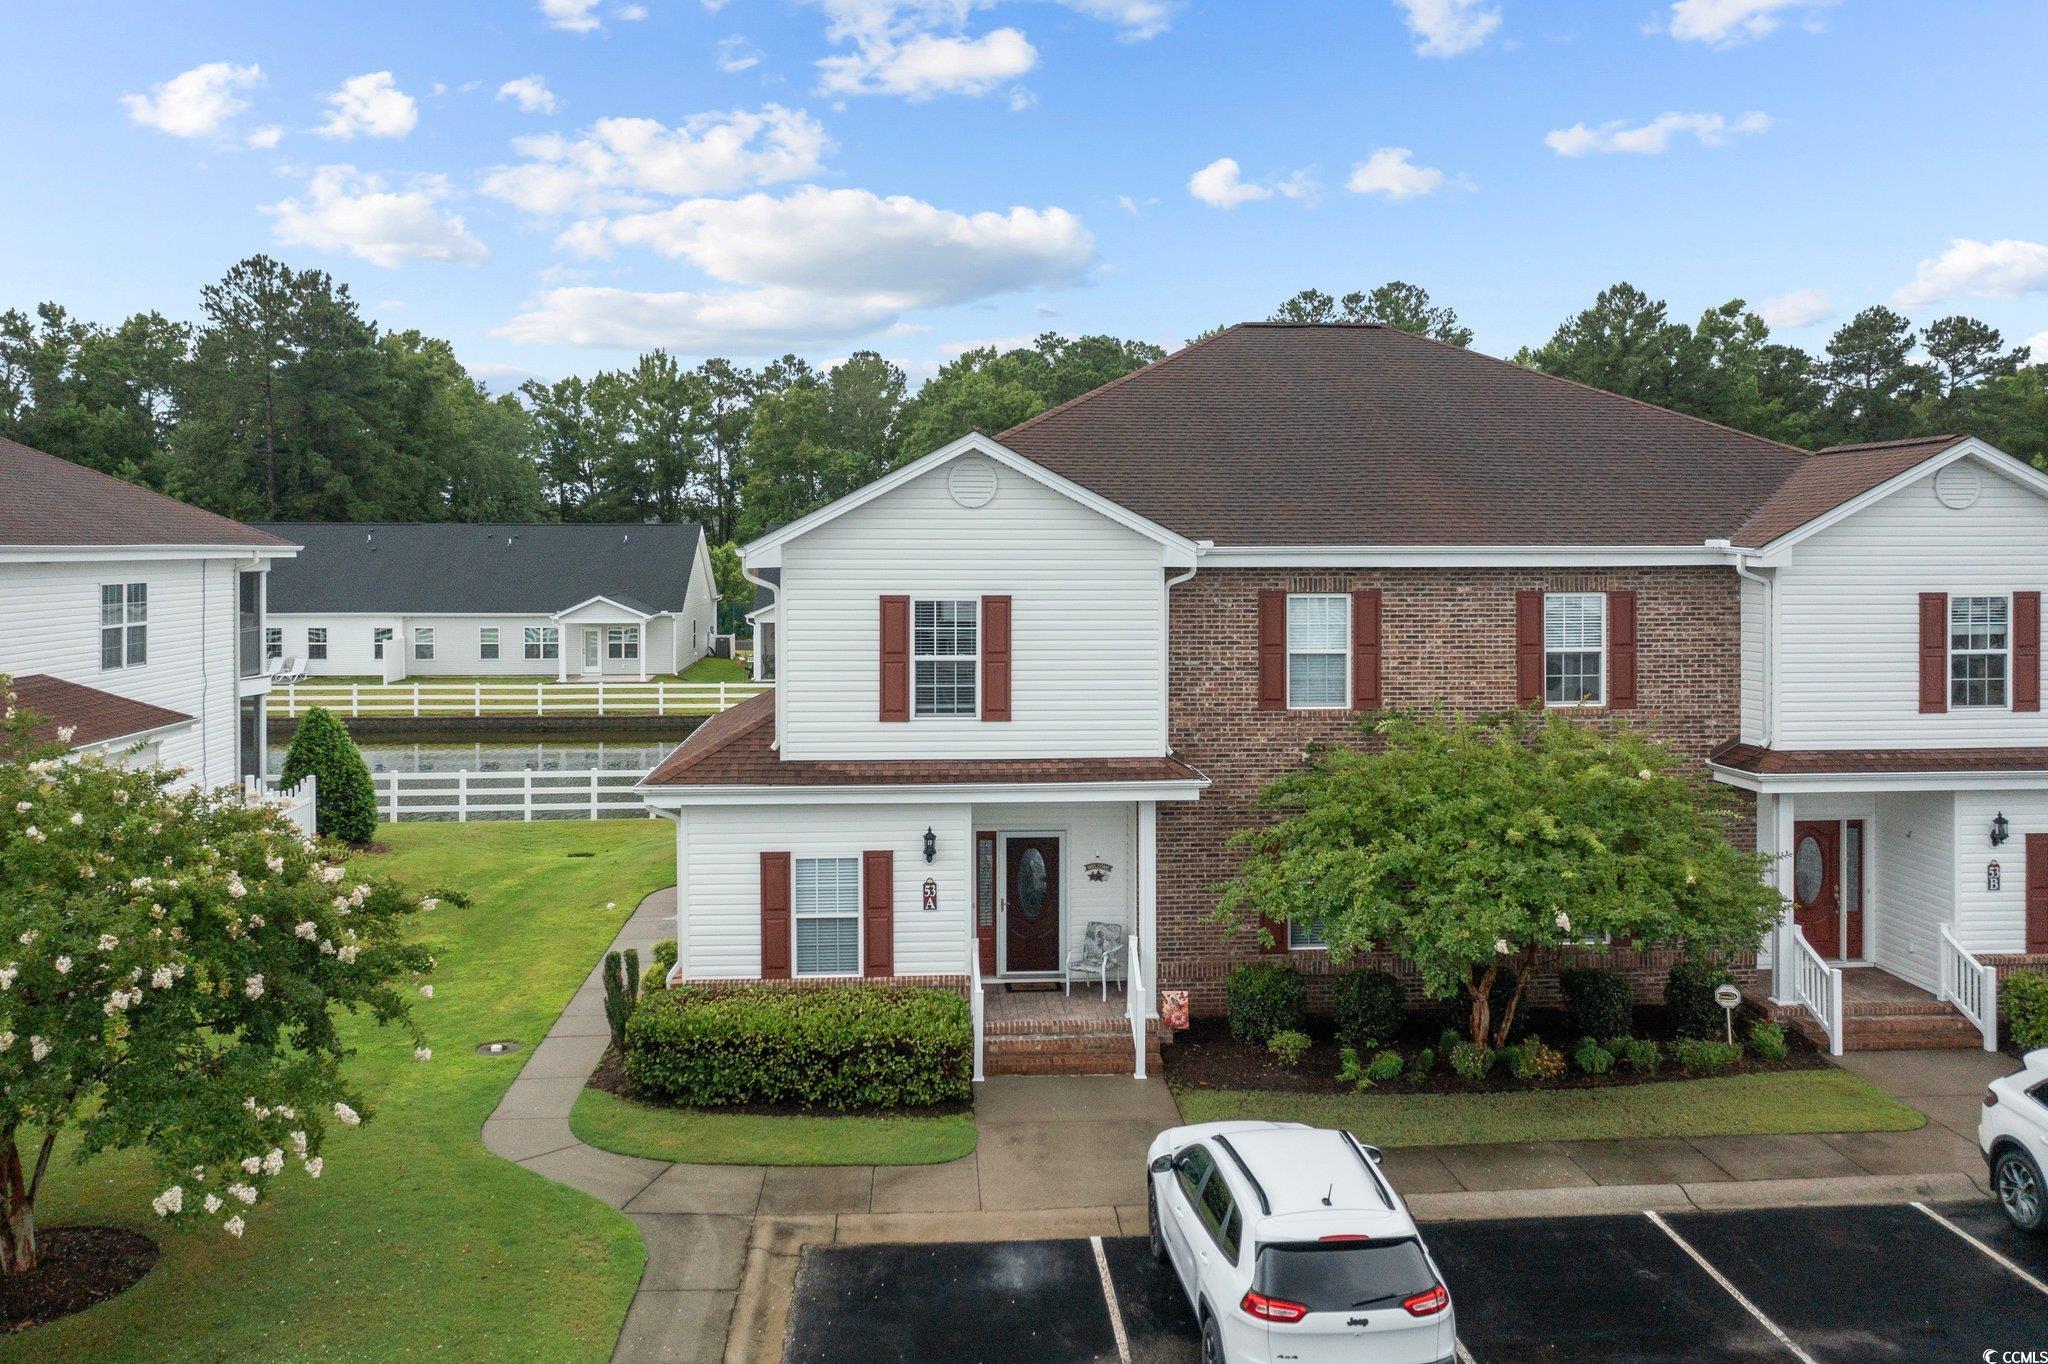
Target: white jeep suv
point(2013, 1133)
point(1293, 1248)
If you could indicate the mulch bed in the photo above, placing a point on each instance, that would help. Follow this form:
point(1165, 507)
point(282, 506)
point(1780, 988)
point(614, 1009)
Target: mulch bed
point(1206, 1056)
point(610, 1076)
point(76, 1267)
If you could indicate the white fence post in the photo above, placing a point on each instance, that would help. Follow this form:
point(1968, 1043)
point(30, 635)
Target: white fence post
point(540, 698)
point(477, 705)
point(355, 700)
point(391, 788)
point(593, 793)
point(526, 796)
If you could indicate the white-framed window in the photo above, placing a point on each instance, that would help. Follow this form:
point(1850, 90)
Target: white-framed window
point(622, 641)
point(1318, 651)
point(423, 642)
point(826, 901)
point(379, 637)
point(1303, 937)
point(273, 643)
point(945, 657)
point(124, 625)
point(316, 642)
point(1979, 651)
point(542, 641)
point(487, 642)
point(1574, 648)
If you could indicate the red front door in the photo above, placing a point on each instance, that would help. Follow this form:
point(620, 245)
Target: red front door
point(1031, 904)
point(1816, 884)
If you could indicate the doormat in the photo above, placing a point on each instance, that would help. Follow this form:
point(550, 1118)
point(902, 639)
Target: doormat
point(1032, 987)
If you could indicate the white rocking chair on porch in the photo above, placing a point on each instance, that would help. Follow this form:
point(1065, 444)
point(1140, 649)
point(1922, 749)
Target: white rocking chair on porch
point(1100, 953)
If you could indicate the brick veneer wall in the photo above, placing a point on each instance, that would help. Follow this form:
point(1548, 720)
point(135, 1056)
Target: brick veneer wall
point(1448, 641)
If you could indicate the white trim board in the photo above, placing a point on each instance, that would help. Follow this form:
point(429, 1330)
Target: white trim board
point(1777, 551)
point(1038, 794)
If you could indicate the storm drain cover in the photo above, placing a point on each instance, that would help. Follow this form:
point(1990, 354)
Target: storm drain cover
point(497, 1048)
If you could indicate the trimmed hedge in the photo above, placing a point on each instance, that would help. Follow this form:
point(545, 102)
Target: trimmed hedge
point(1369, 1007)
point(1598, 1003)
point(2023, 998)
point(1689, 995)
point(345, 799)
point(1263, 998)
point(847, 1046)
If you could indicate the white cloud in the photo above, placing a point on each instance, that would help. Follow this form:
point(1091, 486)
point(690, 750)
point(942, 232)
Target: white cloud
point(1653, 138)
point(2037, 346)
point(1723, 23)
point(372, 105)
point(347, 211)
point(1221, 184)
point(1391, 173)
point(630, 14)
point(619, 162)
point(198, 102)
point(572, 16)
point(737, 54)
point(1445, 28)
point(1974, 269)
point(751, 321)
point(1800, 308)
point(927, 64)
point(532, 94)
point(266, 137)
point(1135, 19)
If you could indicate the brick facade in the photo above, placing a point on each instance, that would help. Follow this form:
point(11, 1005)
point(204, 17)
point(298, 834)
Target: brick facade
point(1448, 641)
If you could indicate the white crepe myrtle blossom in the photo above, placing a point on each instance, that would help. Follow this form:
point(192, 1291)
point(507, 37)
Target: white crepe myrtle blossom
point(235, 886)
point(38, 1048)
point(6, 1040)
point(276, 864)
point(28, 937)
point(245, 1192)
point(314, 1166)
point(77, 817)
point(212, 1204)
point(307, 930)
point(234, 1226)
point(63, 965)
point(162, 977)
point(347, 1116)
point(298, 1141)
point(22, 807)
point(170, 1201)
point(108, 942)
point(330, 873)
point(33, 834)
point(428, 902)
point(1500, 945)
point(250, 1165)
point(8, 974)
point(1564, 922)
point(273, 1161)
point(346, 955)
point(253, 987)
point(64, 733)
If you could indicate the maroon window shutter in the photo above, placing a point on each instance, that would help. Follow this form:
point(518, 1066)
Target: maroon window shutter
point(878, 913)
point(995, 658)
point(1528, 647)
point(1621, 650)
point(1365, 649)
point(895, 658)
point(1278, 929)
point(985, 898)
point(2026, 651)
point(1272, 649)
point(2037, 892)
point(1933, 653)
point(775, 943)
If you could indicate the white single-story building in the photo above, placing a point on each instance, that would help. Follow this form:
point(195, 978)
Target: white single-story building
point(395, 600)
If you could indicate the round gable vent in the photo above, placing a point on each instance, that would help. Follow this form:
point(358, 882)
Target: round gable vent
point(972, 482)
point(1958, 486)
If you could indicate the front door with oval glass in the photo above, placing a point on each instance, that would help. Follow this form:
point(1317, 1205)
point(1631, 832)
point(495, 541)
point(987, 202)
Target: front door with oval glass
point(1031, 904)
point(1817, 884)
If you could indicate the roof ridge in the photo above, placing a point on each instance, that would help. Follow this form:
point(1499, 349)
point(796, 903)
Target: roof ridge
point(1887, 444)
point(1122, 379)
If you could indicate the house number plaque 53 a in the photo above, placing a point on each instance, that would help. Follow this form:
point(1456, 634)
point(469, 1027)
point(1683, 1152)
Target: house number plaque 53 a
point(931, 895)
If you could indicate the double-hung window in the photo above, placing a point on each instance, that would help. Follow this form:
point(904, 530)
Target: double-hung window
point(623, 641)
point(316, 642)
point(1318, 651)
point(827, 913)
point(273, 643)
point(1979, 650)
point(1304, 937)
point(379, 637)
point(487, 643)
point(124, 625)
point(945, 654)
point(1575, 648)
point(542, 641)
point(423, 642)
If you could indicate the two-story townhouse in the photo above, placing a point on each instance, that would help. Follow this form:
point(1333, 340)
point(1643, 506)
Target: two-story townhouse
point(132, 621)
point(1030, 684)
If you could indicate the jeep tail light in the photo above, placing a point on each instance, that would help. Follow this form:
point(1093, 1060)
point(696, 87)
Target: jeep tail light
point(1990, 1098)
point(1278, 1309)
point(1428, 1304)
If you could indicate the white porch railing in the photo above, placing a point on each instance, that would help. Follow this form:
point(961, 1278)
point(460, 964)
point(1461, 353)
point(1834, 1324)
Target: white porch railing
point(525, 796)
point(1971, 986)
point(976, 1004)
point(1817, 986)
point(299, 803)
point(1135, 997)
point(418, 700)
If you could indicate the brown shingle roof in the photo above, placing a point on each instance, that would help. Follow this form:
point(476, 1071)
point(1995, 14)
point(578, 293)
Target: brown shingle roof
point(1832, 477)
point(735, 748)
point(49, 501)
point(94, 716)
point(1275, 434)
point(1768, 762)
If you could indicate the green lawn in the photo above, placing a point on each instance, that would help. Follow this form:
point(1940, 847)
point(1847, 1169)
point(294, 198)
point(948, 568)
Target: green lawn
point(633, 1129)
point(717, 670)
point(1827, 1100)
point(416, 1242)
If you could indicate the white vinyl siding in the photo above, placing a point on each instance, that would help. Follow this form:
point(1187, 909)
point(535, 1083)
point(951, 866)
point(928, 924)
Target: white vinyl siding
point(1574, 648)
point(825, 905)
point(945, 657)
point(1915, 885)
point(1319, 652)
point(1755, 631)
point(1089, 832)
point(1989, 920)
point(459, 645)
point(1979, 650)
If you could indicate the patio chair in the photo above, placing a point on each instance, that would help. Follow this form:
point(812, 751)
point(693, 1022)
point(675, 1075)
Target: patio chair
point(294, 670)
point(1100, 953)
point(279, 666)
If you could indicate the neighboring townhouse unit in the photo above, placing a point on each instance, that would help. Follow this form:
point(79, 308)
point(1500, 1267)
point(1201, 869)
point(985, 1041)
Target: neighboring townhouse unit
point(132, 621)
point(394, 600)
point(1032, 684)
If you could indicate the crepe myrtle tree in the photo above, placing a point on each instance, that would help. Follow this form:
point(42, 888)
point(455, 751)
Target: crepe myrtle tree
point(1469, 846)
point(172, 963)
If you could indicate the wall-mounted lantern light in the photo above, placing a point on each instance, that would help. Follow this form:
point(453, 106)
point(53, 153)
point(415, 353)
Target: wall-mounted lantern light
point(1998, 829)
point(931, 845)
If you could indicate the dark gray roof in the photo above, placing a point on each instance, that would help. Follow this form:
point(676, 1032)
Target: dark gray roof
point(415, 569)
point(51, 501)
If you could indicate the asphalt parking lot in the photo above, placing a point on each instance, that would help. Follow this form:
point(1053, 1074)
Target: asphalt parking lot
point(1939, 1282)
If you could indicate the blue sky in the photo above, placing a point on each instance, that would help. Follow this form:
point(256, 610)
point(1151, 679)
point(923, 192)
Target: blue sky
point(555, 184)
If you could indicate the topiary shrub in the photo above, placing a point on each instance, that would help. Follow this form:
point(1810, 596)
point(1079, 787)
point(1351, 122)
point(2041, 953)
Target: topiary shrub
point(1288, 1046)
point(1699, 1056)
point(1598, 1003)
point(2023, 999)
point(1767, 1041)
point(1593, 1058)
point(1536, 1061)
point(1639, 1054)
point(345, 799)
point(1263, 998)
point(1369, 1006)
point(621, 992)
point(1471, 1061)
point(842, 1046)
point(1689, 995)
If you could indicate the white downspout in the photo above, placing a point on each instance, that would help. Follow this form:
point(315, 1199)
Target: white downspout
point(775, 588)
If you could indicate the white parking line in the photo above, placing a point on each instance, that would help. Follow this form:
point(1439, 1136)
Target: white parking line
point(1116, 1313)
point(1733, 1291)
point(2008, 1264)
point(1464, 1355)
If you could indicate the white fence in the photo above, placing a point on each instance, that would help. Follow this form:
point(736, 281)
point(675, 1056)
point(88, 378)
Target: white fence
point(1971, 986)
point(299, 803)
point(527, 796)
point(416, 700)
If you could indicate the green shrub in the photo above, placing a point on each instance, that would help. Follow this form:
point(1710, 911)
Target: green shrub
point(1351, 1070)
point(1471, 1061)
point(458, 899)
point(621, 992)
point(664, 958)
point(844, 1046)
point(1385, 1065)
point(1598, 1003)
point(1288, 1047)
point(1689, 995)
point(1263, 998)
point(2023, 998)
point(1538, 1061)
point(1508, 1057)
point(1700, 1056)
point(345, 799)
point(1424, 1062)
point(1369, 1006)
point(1767, 1041)
point(1639, 1054)
point(1448, 1041)
point(1593, 1058)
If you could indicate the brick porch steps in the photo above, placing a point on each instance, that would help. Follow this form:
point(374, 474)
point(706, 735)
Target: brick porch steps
point(1059, 1046)
point(1887, 1025)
